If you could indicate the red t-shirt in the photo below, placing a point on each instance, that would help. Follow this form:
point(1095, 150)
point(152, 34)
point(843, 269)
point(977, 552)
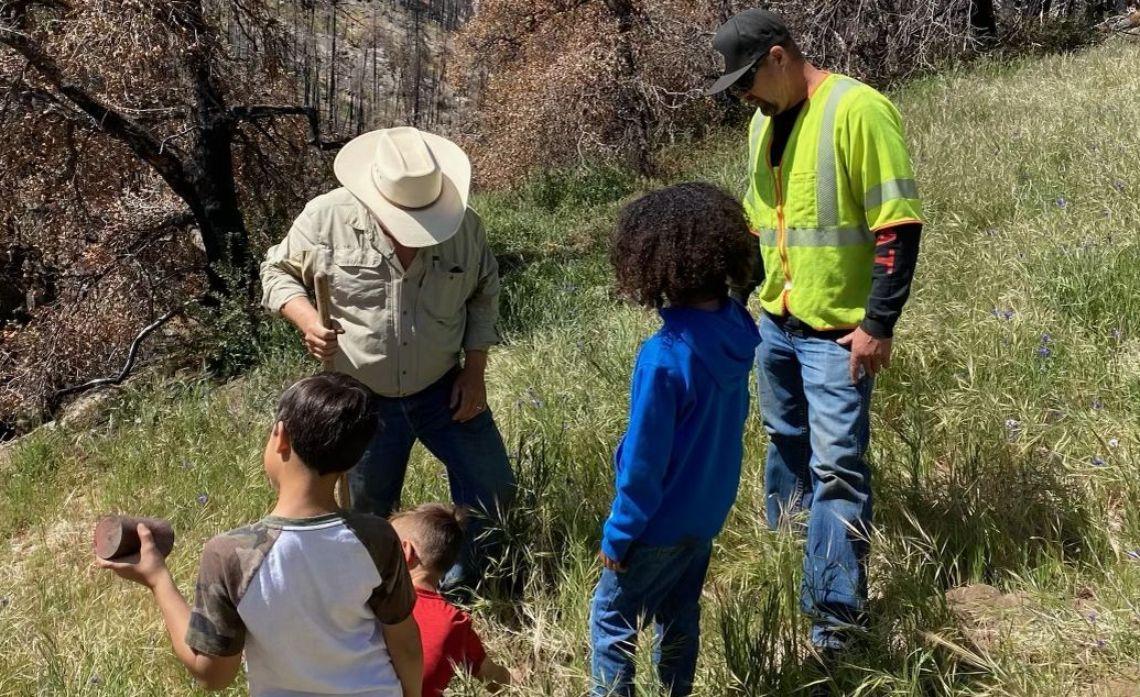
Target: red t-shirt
point(449, 640)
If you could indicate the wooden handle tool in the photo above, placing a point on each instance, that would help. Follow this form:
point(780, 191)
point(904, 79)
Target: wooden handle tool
point(323, 292)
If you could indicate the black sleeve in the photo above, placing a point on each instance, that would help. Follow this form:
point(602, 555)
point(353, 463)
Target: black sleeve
point(741, 291)
point(896, 255)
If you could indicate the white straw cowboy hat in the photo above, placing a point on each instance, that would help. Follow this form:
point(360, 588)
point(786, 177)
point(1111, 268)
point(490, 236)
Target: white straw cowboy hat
point(414, 183)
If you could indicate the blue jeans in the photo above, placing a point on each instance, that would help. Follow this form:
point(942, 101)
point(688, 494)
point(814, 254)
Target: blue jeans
point(662, 584)
point(818, 423)
point(478, 471)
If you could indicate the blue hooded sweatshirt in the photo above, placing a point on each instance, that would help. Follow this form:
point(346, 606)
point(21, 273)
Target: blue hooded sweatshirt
point(678, 466)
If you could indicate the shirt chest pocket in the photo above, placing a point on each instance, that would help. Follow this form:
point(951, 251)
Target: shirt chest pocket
point(443, 296)
point(800, 200)
point(360, 278)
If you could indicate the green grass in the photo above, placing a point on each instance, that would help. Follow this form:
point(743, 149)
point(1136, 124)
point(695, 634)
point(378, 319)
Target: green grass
point(994, 462)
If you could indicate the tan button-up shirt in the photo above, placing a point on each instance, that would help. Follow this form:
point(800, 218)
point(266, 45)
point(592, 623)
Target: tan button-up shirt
point(403, 328)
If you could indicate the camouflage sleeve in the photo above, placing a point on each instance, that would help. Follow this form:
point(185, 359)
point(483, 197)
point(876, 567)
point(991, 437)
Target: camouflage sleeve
point(216, 628)
point(394, 598)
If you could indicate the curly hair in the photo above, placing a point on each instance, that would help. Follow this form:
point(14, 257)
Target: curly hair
point(682, 244)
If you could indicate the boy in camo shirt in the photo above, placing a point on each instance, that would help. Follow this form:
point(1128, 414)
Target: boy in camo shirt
point(319, 600)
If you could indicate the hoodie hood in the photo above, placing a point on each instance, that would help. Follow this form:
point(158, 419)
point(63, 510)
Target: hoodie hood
point(724, 341)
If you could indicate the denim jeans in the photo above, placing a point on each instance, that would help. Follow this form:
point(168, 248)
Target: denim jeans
point(662, 584)
point(818, 423)
point(478, 472)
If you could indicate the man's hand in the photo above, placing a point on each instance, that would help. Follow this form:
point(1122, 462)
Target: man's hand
point(868, 354)
point(320, 340)
point(147, 567)
point(469, 393)
point(611, 564)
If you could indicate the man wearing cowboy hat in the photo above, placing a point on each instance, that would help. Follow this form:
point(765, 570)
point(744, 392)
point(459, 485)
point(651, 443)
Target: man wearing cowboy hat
point(414, 289)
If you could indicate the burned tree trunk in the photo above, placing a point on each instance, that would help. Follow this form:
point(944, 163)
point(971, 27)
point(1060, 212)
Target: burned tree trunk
point(632, 108)
point(983, 21)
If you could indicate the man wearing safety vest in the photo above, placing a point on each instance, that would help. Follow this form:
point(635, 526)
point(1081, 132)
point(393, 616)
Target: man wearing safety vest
point(833, 202)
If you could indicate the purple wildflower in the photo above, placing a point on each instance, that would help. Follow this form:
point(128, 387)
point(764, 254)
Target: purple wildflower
point(1097, 461)
point(203, 499)
point(991, 232)
point(1092, 616)
point(1118, 185)
point(1046, 338)
point(1101, 643)
point(1061, 202)
point(1044, 352)
point(95, 679)
point(1097, 405)
point(1134, 554)
point(1117, 335)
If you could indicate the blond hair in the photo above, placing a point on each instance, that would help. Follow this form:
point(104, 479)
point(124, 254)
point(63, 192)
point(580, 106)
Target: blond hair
point(435, 531)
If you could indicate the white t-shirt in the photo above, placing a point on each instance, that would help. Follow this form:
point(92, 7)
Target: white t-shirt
point(304, 599)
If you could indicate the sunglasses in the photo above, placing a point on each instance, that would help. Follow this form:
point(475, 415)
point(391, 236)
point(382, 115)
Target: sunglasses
point(743, 84)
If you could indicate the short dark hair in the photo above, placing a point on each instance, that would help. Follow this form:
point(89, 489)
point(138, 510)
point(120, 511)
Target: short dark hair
point(684, 243)
point(789, 44)
point(436, 532)
point(330, 419)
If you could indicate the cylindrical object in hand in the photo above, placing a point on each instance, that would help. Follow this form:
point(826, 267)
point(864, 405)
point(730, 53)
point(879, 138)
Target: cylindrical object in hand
point(323, 292)
point(118, 536)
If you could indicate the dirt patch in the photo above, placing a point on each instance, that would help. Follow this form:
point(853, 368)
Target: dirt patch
point(986, 615)
point(1123, 685)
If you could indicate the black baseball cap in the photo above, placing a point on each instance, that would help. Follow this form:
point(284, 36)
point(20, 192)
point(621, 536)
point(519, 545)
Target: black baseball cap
point(744, 39)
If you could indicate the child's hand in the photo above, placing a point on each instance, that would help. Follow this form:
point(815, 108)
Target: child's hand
point(147, 567)
point(612, 565)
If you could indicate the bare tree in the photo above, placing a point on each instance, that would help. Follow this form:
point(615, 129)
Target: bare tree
point(139, 139)
point(152, 148)
point(196, 162)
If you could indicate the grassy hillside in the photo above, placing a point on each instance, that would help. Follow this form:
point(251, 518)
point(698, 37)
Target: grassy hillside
point(1006, 434)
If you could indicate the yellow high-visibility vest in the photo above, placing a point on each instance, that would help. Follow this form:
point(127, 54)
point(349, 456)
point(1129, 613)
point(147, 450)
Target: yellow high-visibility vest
point(845, 174)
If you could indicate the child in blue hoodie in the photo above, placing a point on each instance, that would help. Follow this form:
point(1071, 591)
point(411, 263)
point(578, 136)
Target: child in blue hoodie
point(678, 467)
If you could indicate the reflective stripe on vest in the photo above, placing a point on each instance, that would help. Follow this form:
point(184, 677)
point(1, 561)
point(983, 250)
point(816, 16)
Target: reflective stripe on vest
point(890, 190)
point(818, 237)
point(827, 190)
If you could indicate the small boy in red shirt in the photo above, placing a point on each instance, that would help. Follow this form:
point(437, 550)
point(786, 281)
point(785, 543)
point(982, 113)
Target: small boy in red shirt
point(431, 536)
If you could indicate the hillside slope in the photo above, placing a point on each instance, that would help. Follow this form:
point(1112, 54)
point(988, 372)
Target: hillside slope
point(1006, 434)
